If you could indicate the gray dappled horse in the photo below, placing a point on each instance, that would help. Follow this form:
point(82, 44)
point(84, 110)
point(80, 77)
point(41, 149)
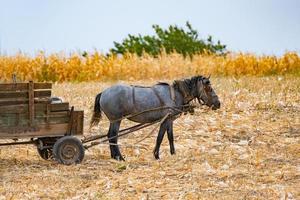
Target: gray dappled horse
point(122, 100)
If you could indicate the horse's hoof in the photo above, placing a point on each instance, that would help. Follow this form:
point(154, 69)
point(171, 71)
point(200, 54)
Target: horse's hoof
point(156, 156)
point(119, 158)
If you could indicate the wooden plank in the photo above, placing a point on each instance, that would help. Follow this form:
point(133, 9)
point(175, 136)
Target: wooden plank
point(23, 108)
point(42, 93)
point(42, 86)
point(17, 122)
point(11, 120)
point(59, 107)
point(24, 94)
point(13, 109)
point(8, 120)
point(71, 121)
point(31, 103)
point(18, 101)
point(13, 86)
point(23, 86)
point(13, 102)
point(39, 131)
point(78, 116)
point(51, 115)
point(47, 113)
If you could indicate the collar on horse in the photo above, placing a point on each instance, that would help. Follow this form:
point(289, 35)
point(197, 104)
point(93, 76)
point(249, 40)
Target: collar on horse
point(172, 90)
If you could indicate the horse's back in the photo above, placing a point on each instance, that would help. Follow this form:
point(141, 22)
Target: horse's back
point(145, 98)
point(121, 100)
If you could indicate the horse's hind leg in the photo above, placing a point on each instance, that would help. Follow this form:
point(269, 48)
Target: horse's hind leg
point(114, 148)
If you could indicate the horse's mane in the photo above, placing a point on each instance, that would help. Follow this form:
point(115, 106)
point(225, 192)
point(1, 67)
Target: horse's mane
point(187, 87)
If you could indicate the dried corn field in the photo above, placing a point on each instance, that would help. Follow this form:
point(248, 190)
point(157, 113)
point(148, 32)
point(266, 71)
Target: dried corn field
point(249, 149)
point(97, 67)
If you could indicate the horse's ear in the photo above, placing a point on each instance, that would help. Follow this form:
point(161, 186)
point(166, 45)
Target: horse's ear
point(208, 77)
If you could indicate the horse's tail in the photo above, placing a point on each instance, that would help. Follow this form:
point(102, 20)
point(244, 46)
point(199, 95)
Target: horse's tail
point(97, 111)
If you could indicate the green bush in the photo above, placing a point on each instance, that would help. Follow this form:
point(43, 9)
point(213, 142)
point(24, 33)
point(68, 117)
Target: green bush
point(173, 39)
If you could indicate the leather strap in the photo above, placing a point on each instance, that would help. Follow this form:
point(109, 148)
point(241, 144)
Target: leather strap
point(133, 97)
point(172, 93)
point(157, 95)
point(162, 103)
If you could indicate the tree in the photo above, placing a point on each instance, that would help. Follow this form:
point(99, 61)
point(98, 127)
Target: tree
point(173, 39)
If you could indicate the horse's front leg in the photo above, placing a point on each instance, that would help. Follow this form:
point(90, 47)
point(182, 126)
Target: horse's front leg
point(161, 133)
point(171, 137)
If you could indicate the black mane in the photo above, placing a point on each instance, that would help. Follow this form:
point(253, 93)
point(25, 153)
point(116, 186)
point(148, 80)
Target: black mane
point(187, 87)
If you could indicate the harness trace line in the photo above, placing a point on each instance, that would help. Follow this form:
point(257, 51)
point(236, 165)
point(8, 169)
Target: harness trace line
point(157, 125)
point(177, 108)
point(137, 127)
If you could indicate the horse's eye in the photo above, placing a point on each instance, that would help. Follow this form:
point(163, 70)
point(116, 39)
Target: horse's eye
point(206, 81)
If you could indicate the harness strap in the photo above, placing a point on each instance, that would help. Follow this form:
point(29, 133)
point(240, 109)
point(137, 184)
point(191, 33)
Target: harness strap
point(172, 93)
point(159, 98)
point(162, 103)
point(133, 97)
point(171, 89)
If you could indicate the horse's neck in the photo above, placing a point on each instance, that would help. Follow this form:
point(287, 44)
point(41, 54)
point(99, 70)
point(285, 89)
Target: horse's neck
point(184, 90)
point(180, 102)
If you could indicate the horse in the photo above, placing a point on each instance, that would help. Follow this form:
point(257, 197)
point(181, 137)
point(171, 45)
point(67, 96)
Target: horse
point(123, 100)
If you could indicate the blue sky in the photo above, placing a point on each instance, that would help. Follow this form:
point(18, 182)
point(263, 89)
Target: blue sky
point(257, 26)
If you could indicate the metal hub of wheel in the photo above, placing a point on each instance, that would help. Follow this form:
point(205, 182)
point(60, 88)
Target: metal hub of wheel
point(69, 152)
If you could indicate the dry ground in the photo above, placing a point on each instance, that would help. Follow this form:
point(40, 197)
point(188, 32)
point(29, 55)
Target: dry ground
point(249, 149)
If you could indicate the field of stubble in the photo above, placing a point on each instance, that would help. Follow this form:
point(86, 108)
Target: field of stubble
point(249, 149)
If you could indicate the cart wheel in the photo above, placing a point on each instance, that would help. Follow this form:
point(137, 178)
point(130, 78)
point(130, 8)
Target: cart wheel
point(46, 154)
point(68, 150)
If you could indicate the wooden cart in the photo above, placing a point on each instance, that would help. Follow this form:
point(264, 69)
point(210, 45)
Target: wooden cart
point(27, 111)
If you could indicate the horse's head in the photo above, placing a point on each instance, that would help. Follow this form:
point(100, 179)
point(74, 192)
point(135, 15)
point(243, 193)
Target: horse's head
point(205, 93)
point(198, 87)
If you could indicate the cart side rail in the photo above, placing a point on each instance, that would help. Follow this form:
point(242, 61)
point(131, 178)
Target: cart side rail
point(26, 111)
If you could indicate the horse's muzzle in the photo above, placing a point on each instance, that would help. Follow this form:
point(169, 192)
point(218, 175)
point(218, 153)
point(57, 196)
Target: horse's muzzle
point(216, 105)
